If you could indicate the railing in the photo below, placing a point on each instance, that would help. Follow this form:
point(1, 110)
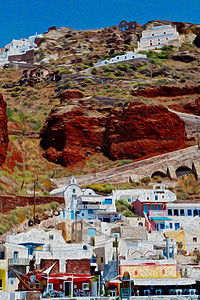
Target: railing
point(18, 261)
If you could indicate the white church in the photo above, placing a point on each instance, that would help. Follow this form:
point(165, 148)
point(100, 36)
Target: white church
point(158, 36)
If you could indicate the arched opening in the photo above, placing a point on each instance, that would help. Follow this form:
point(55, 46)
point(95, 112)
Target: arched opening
point(126, 276)
point(158, 174)
point(181, 171)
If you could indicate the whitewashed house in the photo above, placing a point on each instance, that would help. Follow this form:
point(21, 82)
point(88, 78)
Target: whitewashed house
point(18, 47)
point(130, 55)
point(157, 37)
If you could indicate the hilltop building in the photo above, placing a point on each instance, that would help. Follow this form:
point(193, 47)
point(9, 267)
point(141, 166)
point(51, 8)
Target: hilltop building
point(20, 50)
point(130, 55)
point(158, 36)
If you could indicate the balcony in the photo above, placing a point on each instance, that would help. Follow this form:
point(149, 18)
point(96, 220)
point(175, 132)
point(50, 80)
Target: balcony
point(18, 261)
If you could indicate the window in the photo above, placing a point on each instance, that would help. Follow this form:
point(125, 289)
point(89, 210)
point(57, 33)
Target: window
point(166, 39)
point(176, 212)
point(195, 212)
point(117, 57)
point(194, 239)
point(159, 207)
point(74, 191)
point(108, 201)
point(162, 226)
point(15, 254)
point(182, 212)
point(164, 32)
point(82, 214)
point(85, 286)
point(51, 237)
point(152, 34)
point(170, 225)
point(50, 286)
point(91, 232)
point(156, 197)
point(147, 198)
point(101, 259)
point(150, 44)
point(189, 212)
point(169, 212)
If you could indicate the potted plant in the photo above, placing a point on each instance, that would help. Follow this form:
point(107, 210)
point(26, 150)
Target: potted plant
point(48, 295)
point(108, 293)
point(101, 292)
point(70, 294)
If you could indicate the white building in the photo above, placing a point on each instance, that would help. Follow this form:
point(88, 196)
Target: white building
point(158, 193)
point(73, 193)
point(17, 47)
point(157, 37)
point(130, 55)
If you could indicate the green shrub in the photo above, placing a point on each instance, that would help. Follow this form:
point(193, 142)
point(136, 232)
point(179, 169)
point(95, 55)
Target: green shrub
point(94, 71)
point(129, 214)
point(146, 180)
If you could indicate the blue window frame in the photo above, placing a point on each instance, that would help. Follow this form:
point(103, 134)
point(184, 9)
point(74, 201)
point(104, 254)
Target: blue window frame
point(153, 207)
point(145, 208)
point(74, 191)
point(162, 225)
point(90, 211)
point(82, 214)
point(91, 232)
point(170, 225)
point(156, 197)
point(107, 201)
point(189, 212)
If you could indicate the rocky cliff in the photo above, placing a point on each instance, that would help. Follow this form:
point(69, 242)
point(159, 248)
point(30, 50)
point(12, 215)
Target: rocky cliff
point(73, 133)
point(3, 131)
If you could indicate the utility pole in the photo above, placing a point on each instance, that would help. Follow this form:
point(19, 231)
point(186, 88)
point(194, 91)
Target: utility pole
point(117, 258)
point(76, 232)
point(34, 206)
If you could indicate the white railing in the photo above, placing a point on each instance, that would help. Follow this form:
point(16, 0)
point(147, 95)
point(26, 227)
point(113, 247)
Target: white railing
point(18, 261)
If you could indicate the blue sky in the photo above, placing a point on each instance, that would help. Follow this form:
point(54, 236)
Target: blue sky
point(22, 18)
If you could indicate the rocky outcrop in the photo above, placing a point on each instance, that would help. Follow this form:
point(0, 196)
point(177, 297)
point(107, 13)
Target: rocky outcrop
point(72, 133)
point(167, 91)
point(71, 94)
point(3, 131)
point(139, 130)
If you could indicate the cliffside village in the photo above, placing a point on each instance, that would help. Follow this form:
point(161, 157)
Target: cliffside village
point(90, 249)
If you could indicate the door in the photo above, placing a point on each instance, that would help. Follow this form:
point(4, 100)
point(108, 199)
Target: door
point(177, 225)
point(67, 288)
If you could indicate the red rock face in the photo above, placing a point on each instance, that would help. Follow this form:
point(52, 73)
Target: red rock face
point(71, 94)
point(165, 91)
point(3, 131)
point(71, 134)
point(140, 130)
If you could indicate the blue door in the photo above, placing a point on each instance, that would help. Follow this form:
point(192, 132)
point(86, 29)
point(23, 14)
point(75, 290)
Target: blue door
point(177, 226)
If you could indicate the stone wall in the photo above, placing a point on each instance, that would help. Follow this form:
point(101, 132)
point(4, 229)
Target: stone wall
point(11, 202)
point(28, 57)
point(77, 266)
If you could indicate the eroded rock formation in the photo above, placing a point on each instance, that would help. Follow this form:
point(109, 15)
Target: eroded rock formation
point(3, 131)
point(72, 133)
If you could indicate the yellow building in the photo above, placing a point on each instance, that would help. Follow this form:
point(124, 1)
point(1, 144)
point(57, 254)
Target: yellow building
point(148, 269)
